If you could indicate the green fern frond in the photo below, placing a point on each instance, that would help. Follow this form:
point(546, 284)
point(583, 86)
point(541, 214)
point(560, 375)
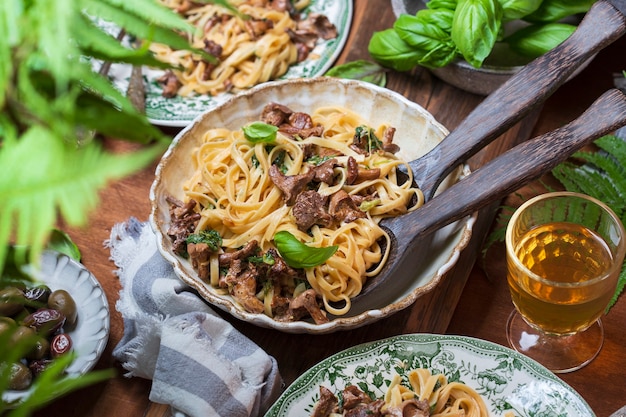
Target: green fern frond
point(63, 180)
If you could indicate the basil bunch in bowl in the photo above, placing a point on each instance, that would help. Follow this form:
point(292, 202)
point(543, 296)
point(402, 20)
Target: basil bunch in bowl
point(475, 45)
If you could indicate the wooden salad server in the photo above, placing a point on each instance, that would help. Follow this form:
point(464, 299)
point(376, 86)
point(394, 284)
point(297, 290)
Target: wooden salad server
point(497, 178)
point(604, 23)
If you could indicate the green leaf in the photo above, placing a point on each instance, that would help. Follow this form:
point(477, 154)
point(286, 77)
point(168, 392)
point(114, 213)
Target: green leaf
point(96, 43)
point(10, 38)
point(153, 12)
point(62, 242)
point(536, 40)
point(475, 29)
point(298, 254)
point(150, 32)
point(362, 70)
point(93, 113)
point(441, 4)
point(62, 180)
point(517, 9)
point(424, 31)
point(259, 132)
point(555, 10)
point(389, 50)
point(135, 25)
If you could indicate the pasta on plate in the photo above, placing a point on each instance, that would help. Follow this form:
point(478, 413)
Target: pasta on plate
point(424, 395)
point(291, 206)
point(256, 42)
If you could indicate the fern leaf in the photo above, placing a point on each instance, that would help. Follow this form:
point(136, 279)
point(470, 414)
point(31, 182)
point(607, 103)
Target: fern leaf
point(8, 33)
point(614, 146)
point(153, 11)
point(51, 20)
point(135, 25)
point(64, 179)
point(95, 43)
point(621, 284)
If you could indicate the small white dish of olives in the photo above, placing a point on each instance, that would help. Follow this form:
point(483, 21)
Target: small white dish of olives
point(72, 314)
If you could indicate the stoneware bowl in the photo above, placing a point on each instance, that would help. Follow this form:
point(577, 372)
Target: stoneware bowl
point(417, 132)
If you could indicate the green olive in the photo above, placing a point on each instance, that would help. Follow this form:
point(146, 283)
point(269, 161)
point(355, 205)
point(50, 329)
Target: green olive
point(11, 301)
point(21, 334)
point(21, 377)
point(40, 350)
point(63, 302)
point(6, 324)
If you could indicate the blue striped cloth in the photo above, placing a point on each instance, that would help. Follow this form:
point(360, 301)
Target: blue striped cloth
point(198, 363)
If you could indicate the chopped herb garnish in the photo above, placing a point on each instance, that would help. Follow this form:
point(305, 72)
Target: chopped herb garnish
point(366, 139)
point(211, 237)
point(368, 205)
point(318, 160)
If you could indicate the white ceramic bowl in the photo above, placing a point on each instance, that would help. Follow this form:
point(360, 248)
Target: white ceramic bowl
point(416, 133)
point(91, 332)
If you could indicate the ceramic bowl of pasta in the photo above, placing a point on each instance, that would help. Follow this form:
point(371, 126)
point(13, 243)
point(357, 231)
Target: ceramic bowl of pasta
point(271, 204)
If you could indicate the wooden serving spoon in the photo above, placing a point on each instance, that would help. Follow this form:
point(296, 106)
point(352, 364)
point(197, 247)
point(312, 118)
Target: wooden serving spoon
point(491, 182)
point(604, 23)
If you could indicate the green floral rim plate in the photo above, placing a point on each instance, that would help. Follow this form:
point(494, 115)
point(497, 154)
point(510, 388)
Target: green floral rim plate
point(506, 380)
point(181, 111)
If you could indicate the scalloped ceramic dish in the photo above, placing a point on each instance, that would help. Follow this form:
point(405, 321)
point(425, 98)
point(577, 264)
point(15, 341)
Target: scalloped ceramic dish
point(416, 133)
point(91, 332)
point(505, 379)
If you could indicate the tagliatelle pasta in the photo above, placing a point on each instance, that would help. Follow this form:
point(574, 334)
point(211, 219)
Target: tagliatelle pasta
point(256, 45)
point(235, 187)
point(445, 399)
point(424, 395)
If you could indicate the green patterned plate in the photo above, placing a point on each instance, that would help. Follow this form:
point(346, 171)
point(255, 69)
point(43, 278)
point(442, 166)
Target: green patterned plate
point(181, 111)
point(506, 380)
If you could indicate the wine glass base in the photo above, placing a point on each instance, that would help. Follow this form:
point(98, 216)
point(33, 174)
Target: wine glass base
point(560, 354)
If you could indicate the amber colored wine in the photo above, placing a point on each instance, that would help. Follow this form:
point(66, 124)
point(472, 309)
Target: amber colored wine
point(570, 258)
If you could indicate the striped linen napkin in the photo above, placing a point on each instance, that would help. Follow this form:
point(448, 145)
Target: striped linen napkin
point(198, 363)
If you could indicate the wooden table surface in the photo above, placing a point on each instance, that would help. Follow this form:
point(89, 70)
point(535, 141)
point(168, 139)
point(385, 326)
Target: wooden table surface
point(471, 300)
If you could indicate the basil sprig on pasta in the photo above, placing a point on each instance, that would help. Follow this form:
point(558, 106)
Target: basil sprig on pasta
point(259, 132)
point(300, 255)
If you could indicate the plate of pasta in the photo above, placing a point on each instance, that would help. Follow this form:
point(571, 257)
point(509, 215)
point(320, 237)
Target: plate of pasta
point(262, 41)
point(443, 375)
point(270, 205)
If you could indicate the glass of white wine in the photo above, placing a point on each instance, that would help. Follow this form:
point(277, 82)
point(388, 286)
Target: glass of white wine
point(564, 255)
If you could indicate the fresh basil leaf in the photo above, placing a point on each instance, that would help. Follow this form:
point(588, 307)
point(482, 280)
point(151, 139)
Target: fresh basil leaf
point(536, 40)
point(424, 31)
point(360, 70)
point(441, 18)
point(429, 33)
point(555, 10)
point(475, 29)
point(62, 242)
point(517, 9)
point(390, 51)
point(300, 255)
point(259, 132)
point(441, 4)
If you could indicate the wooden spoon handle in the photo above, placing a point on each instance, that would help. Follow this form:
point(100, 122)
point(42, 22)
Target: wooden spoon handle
point(514, 168)
point(602, 25)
